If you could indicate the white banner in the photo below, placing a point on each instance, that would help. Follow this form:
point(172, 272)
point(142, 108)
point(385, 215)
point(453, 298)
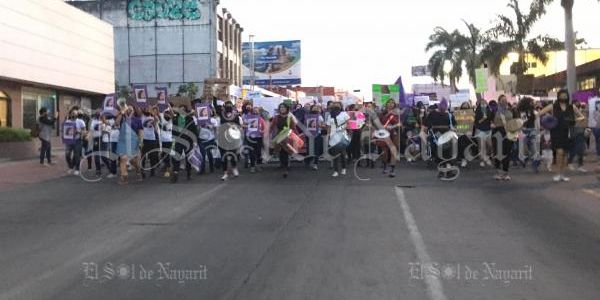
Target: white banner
point(269, 104)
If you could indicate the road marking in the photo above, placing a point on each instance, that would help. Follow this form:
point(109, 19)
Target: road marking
point(433, 283)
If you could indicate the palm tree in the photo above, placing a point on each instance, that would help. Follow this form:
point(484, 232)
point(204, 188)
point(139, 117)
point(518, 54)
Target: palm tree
point(448, 45)
point(512, 35)
point(456, 49)
point(470, 50)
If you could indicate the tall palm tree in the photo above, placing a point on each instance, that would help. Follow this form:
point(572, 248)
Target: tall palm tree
point(512, 35)
point(447, 45)
point(456, 49)
point(470, 50)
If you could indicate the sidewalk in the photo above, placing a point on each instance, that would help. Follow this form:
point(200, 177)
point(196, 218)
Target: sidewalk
point(14, 174)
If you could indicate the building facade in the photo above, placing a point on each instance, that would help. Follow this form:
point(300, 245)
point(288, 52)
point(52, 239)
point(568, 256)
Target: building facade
point(52, 56)
point(160, 43)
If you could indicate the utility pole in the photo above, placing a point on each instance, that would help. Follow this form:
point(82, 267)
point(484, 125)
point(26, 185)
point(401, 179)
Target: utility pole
point(252, 63)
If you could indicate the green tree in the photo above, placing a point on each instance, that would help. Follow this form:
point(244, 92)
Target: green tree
point(460, 51)
point(189, 89)
point(512, 34)
point(447, 47)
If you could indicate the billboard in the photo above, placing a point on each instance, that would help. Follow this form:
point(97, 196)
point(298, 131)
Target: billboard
point(420, 71)
point(276, 63)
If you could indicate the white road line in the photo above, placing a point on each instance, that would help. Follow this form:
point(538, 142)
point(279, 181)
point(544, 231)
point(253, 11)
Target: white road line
point(433, 283)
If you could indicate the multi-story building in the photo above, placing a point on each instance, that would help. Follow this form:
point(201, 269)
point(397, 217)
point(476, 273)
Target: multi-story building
point(52, 56)
point(161, 43)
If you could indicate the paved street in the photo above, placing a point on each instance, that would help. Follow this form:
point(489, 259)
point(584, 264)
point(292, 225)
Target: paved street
point(307, 237)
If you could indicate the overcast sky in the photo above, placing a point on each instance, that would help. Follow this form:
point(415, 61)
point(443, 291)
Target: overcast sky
point(354, 43)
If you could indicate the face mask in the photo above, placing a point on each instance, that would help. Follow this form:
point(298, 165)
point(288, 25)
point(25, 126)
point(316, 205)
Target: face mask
point(228, 108)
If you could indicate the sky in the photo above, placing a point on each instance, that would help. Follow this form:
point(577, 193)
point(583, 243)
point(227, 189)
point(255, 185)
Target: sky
point(352, 44)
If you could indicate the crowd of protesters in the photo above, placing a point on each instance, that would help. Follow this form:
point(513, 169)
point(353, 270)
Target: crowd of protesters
point(148, 142)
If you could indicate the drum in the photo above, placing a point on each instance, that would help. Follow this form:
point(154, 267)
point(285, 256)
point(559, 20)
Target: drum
point(514, 125)
point(381, 137)
point(233, 134)
point(381, 134)
point(293, 144)
point(447, 138)
point(282, 136)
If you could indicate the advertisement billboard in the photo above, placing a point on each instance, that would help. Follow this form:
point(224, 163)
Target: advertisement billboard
point(275, 63)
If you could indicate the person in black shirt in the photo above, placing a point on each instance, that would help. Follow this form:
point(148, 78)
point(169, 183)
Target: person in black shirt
point(531, 130)
point(567, 115)
point(482, 129)
point(437, 123)
point(230, 119)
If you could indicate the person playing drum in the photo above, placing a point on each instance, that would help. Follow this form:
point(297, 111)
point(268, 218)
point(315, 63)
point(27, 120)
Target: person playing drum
point(283, 124)
point(439, 122)
point(390, 119)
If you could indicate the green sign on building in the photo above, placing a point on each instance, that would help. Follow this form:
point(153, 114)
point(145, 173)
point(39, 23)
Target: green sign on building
point(148, 10)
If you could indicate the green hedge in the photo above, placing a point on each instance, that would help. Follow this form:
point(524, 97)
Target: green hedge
point(14, 135)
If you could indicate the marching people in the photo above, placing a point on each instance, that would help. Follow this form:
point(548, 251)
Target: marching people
point(96, 135)
point(578, 147)
point(438, 122)
point(166, 139)
point(315, 124)
point(390, 119)
point(108, 145)
point(229, 119)
point(254, 127)
point(531, 131)
point(483, 131)
point(338, 138)
point(74, 131)
point(45, 125)
point(283, 124)
point(207, 141)
point(130, 141)
point(185, 132)
point(503, 139)
point(151, 140)
point(567, 115)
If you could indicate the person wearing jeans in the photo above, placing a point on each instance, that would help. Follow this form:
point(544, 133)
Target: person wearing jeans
point(45, 124)
point(73, 131)
point(577, 149)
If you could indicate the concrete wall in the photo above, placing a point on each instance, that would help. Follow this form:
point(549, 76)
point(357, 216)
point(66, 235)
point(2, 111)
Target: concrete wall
point(50, 42)
point(159, 52)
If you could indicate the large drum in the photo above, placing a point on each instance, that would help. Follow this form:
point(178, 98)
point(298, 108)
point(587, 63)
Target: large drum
point(282, 136)
point(380, 136)
point(293, 144)
point(446, 139)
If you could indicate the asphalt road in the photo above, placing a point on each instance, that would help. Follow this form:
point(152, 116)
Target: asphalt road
point(307, 237)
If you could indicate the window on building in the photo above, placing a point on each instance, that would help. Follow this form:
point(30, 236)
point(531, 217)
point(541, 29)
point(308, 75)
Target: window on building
point(587, 84)
point(221, 71)
point(4, 110)
point(220, 24)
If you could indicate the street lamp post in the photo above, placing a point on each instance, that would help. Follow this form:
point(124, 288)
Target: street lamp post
point(252, 63)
